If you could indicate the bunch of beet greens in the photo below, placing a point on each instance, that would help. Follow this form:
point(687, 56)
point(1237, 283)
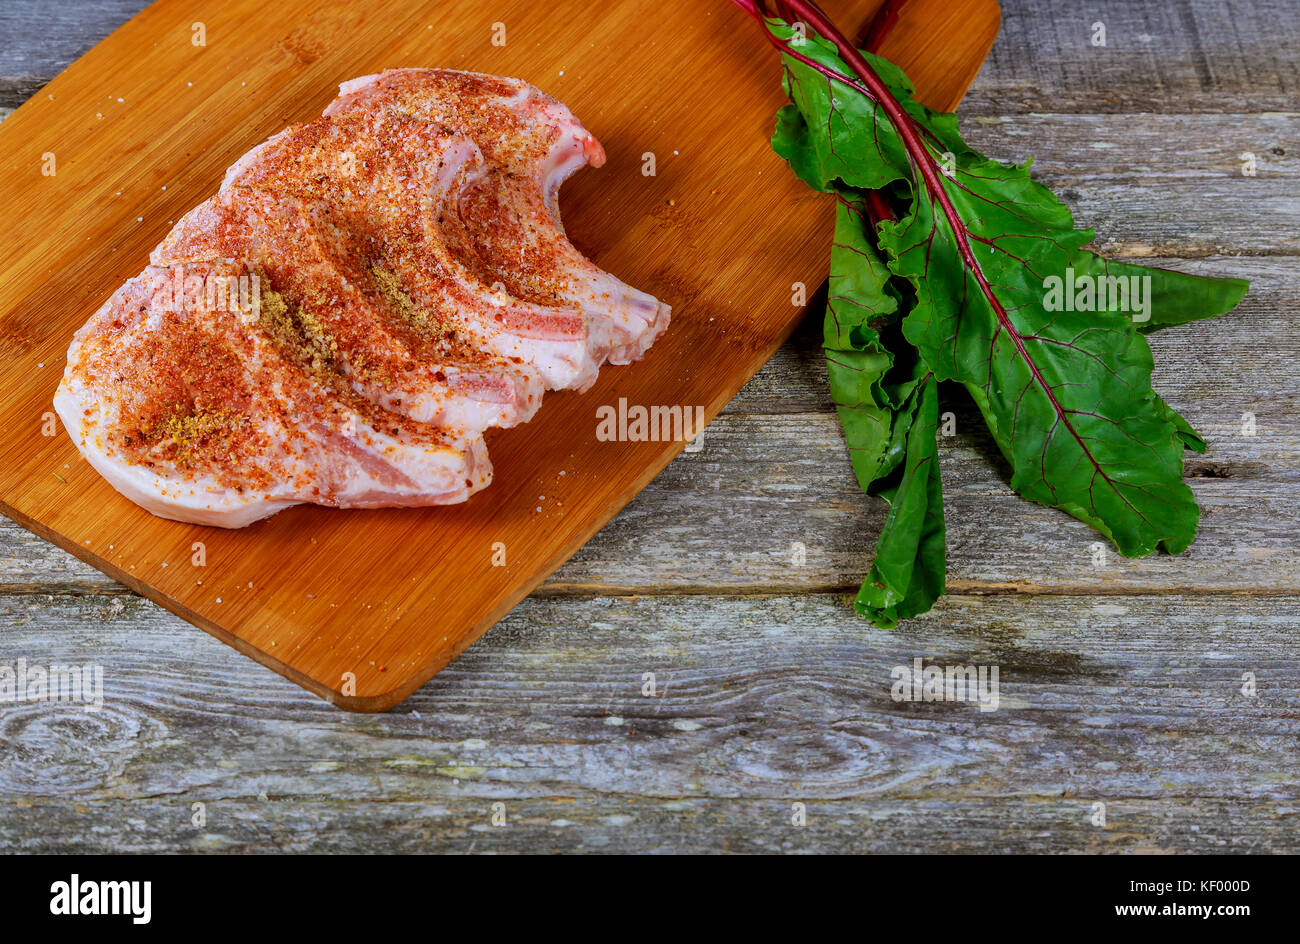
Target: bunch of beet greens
point(948, 266)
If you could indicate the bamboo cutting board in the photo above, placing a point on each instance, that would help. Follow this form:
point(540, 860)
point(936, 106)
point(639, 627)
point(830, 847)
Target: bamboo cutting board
point(362, 607)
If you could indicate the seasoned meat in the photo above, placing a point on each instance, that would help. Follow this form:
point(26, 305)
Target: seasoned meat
point(390, 280)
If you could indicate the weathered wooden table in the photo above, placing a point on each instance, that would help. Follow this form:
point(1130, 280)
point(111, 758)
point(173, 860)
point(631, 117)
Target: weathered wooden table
point(1123, 685)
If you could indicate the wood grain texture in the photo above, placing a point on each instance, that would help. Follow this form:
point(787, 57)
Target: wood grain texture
point(763, 702)
point(41, 39)
point(364, 607)
point(1171, 56)
point(796, 709)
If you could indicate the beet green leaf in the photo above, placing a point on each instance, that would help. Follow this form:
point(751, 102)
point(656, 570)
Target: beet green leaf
point(1047, 337)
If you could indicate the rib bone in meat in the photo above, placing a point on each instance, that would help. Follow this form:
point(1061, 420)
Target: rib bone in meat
point(363, 297)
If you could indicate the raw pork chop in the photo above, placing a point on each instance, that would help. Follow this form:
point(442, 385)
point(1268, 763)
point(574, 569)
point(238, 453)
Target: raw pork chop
point(374, 180)
point(412, 285)
point(512, 229)
point(195, 417)
point(400, 356)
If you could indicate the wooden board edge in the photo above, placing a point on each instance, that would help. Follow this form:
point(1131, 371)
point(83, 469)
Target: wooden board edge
point(22, 111)
point(384, 700)
point(407, 685)
point(986, 22)
point(991, 25)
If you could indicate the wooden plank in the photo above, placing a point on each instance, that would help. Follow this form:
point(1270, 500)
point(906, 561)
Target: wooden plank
point(1163, 185)
point(363, 607)
point(736, 527)
point(634, 825)
point(1194, 56)
point(763, 702)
